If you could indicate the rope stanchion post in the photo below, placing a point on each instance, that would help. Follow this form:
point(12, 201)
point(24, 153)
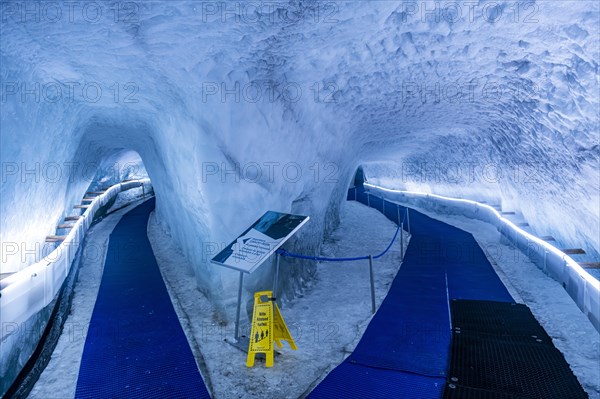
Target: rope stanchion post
point(402, 241)
point(408, 220)
point(372, 284)
point(275, 283)
point(239, 308)
point(401, 224)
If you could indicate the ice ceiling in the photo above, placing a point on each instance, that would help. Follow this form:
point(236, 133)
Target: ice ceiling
point(236, 108)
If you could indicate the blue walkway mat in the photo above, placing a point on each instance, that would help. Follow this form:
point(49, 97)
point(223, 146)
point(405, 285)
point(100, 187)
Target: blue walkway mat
point(135, 347)
point(405, 350)
point(354, 381)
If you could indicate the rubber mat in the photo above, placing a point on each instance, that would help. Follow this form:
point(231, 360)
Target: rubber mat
point(505, 353)
point(135, 346)
point(498, 318)
point(460, 392)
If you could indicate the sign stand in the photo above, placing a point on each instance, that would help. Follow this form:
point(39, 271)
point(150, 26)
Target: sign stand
point(239, 308)
point(252, 248)
point(242, 342)
point(275, 283)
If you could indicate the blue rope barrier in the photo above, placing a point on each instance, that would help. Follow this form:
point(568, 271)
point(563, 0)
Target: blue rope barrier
point(287, 254)
point(389, 246)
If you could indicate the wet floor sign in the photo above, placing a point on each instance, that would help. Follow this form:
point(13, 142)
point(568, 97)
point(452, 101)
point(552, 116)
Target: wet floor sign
point(268, 327)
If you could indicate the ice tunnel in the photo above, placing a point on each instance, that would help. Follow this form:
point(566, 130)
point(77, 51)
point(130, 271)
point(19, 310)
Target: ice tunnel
point(154, 133)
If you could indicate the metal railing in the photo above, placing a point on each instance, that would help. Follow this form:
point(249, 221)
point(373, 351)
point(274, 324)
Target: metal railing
point(583, 288)
point(31, 289)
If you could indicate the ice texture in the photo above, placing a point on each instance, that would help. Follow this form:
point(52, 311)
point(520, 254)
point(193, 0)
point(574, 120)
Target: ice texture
point(236, 110)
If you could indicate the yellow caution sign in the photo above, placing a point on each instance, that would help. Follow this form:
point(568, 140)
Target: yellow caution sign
point(268, 326)
point(281, 330)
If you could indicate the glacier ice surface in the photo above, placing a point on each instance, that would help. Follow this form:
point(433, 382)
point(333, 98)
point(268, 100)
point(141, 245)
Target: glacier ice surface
point(237, 111)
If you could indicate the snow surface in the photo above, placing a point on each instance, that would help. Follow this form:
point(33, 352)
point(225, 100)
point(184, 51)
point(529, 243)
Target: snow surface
point(340, 83)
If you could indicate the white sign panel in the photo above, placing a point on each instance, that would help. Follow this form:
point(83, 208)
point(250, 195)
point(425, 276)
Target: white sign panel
point(256, 244)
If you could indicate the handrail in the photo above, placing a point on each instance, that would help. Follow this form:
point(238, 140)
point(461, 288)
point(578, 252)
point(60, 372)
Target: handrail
point(29, 290)
point(583, 288)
